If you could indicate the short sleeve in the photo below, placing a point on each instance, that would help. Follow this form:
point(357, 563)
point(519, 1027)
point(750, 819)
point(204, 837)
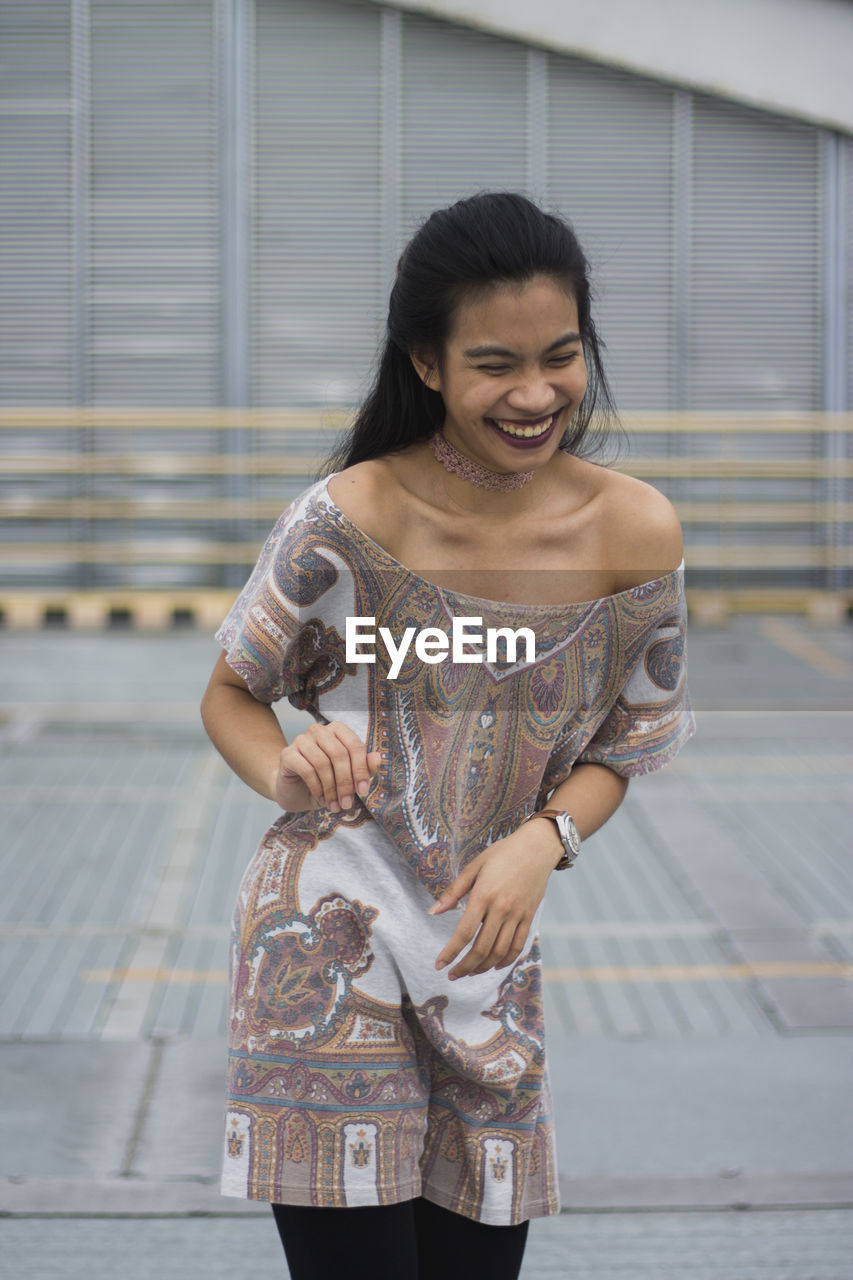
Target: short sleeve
point(652, 718)
point(275, 636)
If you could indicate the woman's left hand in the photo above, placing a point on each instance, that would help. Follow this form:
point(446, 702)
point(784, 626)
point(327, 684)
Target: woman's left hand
point(505, 885)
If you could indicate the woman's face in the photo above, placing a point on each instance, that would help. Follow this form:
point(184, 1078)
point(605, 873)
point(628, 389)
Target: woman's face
point(513, 374)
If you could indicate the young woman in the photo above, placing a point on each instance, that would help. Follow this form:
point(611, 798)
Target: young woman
point(388, 1086)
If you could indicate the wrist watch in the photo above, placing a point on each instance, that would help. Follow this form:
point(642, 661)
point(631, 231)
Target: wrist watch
point(568, 833)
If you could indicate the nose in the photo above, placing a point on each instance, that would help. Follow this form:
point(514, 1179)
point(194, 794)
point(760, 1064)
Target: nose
point(532, 395)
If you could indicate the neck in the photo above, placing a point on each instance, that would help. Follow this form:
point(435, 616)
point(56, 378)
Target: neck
point(477, 489)
point(474, 472)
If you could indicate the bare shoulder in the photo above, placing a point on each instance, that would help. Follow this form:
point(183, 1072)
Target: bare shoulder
point(367, 493)
point(641, 531)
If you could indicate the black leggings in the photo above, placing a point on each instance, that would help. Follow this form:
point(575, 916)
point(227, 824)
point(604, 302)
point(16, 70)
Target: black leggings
point(414, 1240)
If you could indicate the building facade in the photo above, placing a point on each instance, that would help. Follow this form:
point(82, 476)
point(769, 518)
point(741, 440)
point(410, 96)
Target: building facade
point(205, 200)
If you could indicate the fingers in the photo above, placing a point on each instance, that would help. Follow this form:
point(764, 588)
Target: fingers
point(516, 946)
point(454, 893)
point(333, 764)
point(492, 950)
point(498, 951)
point(505, 885)
point(496, 941)
point(478, 957)
point(464, 933)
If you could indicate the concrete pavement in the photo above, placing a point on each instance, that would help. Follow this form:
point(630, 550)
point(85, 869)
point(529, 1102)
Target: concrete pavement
point(699, 965)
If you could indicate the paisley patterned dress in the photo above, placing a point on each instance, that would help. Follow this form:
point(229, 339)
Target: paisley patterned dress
point(358, 1074)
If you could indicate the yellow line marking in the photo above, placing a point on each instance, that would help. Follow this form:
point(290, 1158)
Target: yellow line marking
point(786, 636)
point(171, 976)
point(595, 973)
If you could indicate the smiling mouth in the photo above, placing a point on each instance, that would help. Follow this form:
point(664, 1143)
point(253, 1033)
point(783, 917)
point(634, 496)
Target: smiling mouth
point(524, 430)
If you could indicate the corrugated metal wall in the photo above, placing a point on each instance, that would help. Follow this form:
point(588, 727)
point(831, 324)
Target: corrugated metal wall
point(130, 90)
point(845, 270)
point(152, 236)
point(37, 293)
point(203, 201)
point(755, 307)
point(611, 171)
point(317, 192)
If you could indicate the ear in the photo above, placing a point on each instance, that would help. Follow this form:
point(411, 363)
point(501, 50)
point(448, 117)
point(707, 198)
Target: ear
point(426, 367)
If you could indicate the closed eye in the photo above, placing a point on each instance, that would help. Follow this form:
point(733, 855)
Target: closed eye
point(554, 362)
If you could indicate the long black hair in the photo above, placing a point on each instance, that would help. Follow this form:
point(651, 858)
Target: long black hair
point(487, 239)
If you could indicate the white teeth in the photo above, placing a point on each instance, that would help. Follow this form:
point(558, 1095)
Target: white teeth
point(524, 433)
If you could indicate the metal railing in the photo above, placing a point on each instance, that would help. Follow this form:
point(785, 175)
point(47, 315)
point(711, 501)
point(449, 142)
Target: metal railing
point(159, 510)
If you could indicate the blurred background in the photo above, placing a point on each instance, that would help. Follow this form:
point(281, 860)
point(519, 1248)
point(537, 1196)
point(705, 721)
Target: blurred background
point(201, 207)
point(203, 202)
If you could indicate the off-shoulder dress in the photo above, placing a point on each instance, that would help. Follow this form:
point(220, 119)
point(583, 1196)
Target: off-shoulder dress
point(358, 1074)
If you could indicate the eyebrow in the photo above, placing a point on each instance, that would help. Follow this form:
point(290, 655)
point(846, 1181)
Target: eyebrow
point(476, 353)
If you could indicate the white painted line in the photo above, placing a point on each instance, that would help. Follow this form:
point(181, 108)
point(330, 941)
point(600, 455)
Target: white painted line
point(129, 1007)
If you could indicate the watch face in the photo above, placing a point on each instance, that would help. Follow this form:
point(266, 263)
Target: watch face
point(569, 833)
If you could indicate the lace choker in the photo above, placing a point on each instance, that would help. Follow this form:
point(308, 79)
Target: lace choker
point(457, 463)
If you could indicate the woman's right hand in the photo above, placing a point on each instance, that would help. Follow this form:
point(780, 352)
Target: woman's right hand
point(324, 768)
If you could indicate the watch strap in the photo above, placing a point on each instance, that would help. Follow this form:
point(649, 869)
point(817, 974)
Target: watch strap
point(567, 859)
